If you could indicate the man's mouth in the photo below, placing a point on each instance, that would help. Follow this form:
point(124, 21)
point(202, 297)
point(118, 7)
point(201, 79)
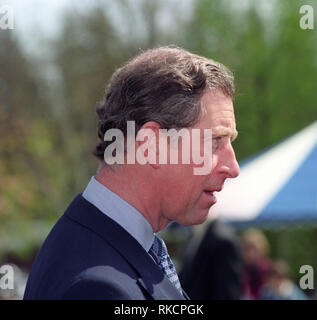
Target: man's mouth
point(211, 196)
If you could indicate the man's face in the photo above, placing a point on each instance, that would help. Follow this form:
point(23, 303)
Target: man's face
point(185, 197)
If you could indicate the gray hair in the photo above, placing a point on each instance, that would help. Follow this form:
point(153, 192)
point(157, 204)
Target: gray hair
point(164, 85)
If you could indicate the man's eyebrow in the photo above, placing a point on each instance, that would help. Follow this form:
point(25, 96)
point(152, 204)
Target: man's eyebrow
point(225, 132)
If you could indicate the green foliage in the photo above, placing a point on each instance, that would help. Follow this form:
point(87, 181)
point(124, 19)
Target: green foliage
point(274, 63)
point(296, 246)
point(48, 128)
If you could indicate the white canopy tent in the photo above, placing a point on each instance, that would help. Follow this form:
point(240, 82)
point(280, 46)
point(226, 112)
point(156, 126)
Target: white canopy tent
point(277, 185)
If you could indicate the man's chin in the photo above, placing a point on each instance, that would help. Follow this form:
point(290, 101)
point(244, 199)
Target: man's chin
point(202, 220)
point(197, 218)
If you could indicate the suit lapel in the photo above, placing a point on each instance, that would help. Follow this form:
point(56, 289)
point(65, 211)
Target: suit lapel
point(152, 278)
point(186, 295)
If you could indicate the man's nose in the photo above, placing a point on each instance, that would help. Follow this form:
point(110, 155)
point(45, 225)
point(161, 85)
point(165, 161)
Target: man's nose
point(230, 163)
point(235, 169)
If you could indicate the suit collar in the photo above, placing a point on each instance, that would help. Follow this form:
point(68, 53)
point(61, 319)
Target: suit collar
point(152, 279)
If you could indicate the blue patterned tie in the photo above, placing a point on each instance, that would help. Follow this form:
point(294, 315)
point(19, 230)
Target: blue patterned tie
point(164, 261)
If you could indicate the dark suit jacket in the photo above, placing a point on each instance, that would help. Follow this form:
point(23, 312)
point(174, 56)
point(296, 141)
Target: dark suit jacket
point(87, 255)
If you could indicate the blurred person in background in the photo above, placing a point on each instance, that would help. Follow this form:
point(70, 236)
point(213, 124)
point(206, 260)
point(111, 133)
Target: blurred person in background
point(212, 267)
point(256, 262)
point(278, 285)
point(105, 245)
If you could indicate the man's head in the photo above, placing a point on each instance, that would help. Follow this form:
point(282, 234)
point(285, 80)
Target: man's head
point(168, 88)
point(163, 85)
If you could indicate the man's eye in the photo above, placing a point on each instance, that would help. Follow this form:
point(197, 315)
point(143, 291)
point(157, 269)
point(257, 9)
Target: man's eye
point(216, 141)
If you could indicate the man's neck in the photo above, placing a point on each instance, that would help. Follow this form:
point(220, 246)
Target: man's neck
point(129, 184)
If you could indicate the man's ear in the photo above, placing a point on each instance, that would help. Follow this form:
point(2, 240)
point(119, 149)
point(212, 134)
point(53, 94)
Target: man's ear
point(147, 144)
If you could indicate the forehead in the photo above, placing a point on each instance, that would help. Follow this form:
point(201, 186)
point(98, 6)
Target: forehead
point(218, 114)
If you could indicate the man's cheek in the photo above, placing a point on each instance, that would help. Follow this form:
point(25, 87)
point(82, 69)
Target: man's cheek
point(214, 161)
